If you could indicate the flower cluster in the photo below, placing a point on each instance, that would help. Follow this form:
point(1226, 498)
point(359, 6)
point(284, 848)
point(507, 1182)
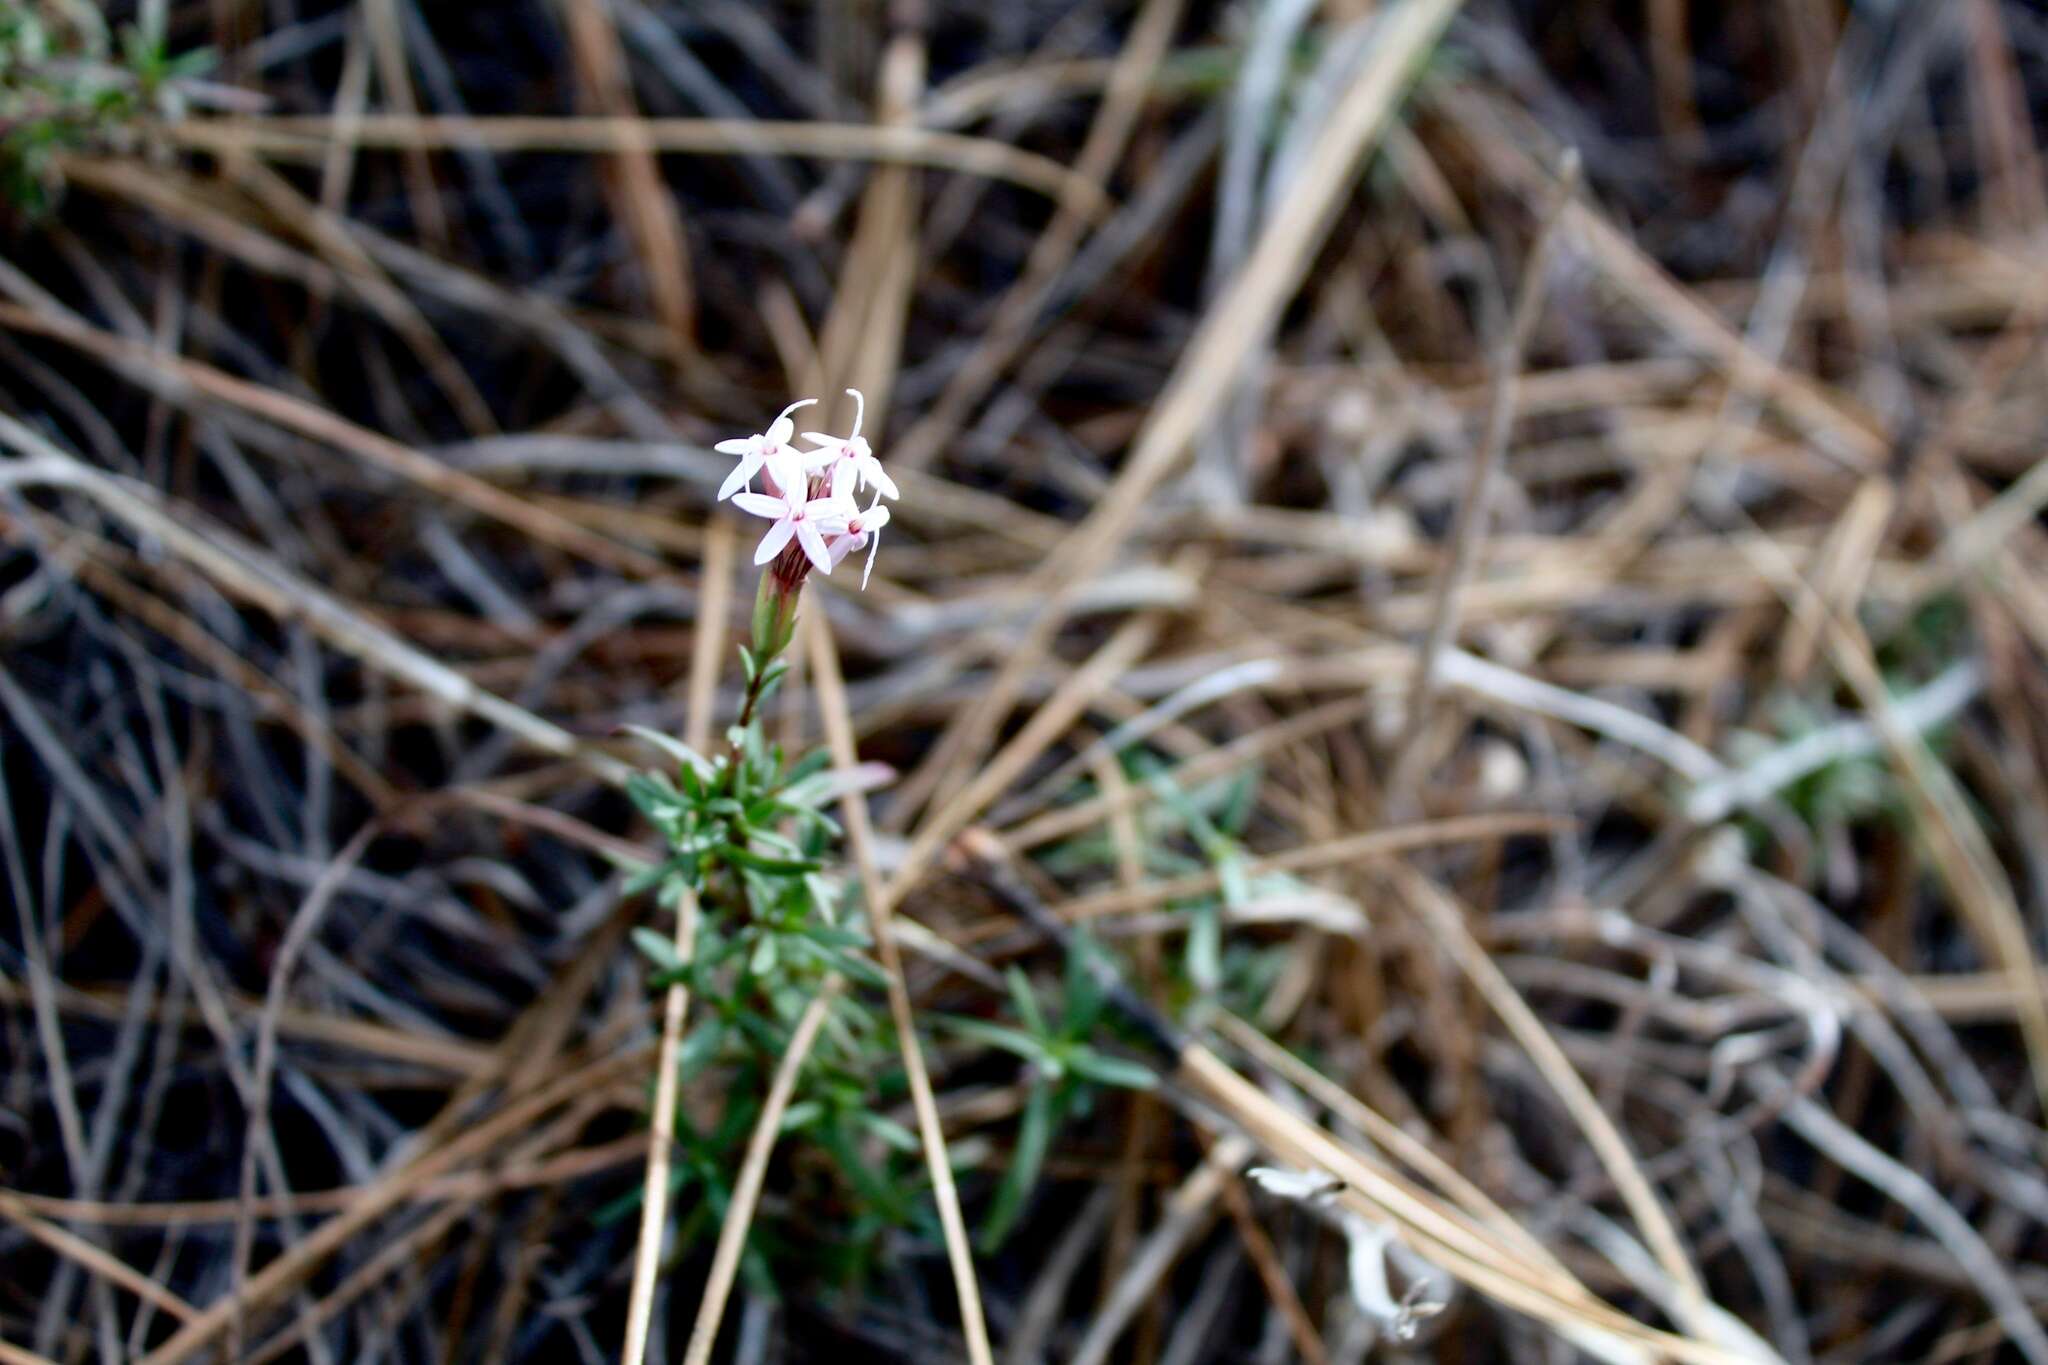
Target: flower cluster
point(810, 495)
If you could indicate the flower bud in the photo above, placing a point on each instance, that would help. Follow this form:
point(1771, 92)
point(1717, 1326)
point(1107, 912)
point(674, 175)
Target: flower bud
point(774, 613)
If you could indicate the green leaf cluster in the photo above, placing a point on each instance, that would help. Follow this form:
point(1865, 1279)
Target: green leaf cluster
point(68, 83)
point(747, 838)
point(1189, 829)
point(1066, 1072)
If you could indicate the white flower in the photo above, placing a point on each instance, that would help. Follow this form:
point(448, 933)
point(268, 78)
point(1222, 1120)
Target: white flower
point(862, 529)
point(795, 513)
point(756, 451)
point(851, 454)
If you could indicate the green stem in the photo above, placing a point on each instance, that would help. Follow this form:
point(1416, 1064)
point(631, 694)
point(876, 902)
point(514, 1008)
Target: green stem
point(774, 627)
point(774, 616)
point(753, 699)
point(736, 750)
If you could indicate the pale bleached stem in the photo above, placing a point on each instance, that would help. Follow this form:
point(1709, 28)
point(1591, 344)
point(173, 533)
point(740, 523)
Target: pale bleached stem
point(1925, 709)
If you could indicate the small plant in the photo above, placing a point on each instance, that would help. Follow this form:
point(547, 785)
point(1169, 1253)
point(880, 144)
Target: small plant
point(67, 83)
point(1847, 791)
point(748, 838)
point(1857, 786)
point(1065, 1074)
point(750, 844)
point(1210, 971)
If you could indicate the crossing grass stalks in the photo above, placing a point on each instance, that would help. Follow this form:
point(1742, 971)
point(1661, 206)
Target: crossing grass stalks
point(1463, 631)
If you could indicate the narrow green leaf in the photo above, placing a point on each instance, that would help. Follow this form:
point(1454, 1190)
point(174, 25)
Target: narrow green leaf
point(747, 858)
point(700, 1048)
point(858, 968)
point(1235, 882)
point(889, 1131)
point(1034, 1136)
point(686, 758)
point(658, 949)
point(1083, 1004)
point(683, 865)
point(1106, 1070)
point(658, 801)
point(995, 1035)
point(1026, 1001)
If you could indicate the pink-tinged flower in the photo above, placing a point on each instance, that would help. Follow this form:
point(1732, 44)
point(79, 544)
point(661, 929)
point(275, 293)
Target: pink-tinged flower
point(796, 514)
point(850, 453)
point(756, 451)
point(863, 531)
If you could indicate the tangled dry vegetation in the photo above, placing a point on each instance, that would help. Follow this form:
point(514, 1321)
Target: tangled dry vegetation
point(1487, 553)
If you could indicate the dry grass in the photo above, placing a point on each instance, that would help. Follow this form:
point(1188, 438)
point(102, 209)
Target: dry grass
point(1520, 526)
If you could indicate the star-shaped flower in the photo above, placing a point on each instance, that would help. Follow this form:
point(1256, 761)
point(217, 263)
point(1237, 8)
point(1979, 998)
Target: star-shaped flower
point(863, 529)
point(796, 514)
point(850, 453)
point(756, 451)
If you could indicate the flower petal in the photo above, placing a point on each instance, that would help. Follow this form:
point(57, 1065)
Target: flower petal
point(786, 467)
point(772, 543)
point(813, 543)
point(783, 416)
point(830, 513)
point(874, 476)
point(761, 505)
point(742, 475)
point(739, 445)
point(874, 544)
